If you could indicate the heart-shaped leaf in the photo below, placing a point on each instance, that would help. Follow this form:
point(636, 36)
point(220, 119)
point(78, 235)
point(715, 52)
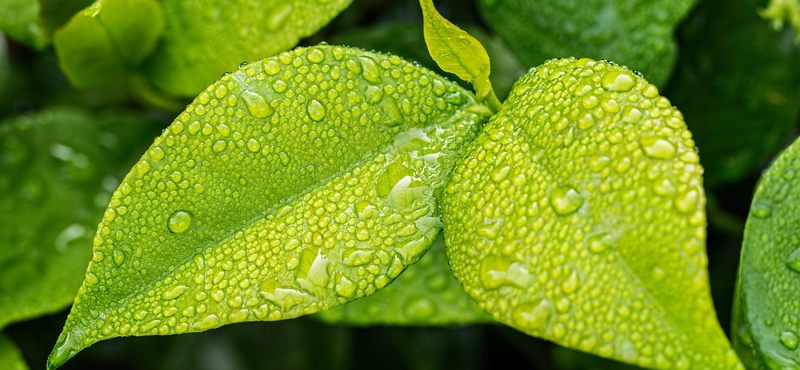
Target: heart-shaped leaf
point(425, 294)
point(10, 356)
point(769, 275)
point(57, 171)
point(290, 186)
point(577, 215)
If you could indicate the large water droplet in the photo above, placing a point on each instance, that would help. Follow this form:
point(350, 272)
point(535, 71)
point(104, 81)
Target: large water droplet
point(256, 104)
point(687, 201)
point(793, 261)
point(316, 110)
point(618, 81)
point(565, 200)
point(789, 339)
point(179, 221)
point(657, 148)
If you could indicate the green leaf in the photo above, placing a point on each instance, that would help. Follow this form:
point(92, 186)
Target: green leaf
point(10, 355)
point(290, 186)
point(780, 11)
point(577, 215)
point(425, 294)
point(108, 40)
point(737, 84)
point(205, 38)
point(457, 52)
point(637, 33)
point(407, 41)
point(57, 170)
point(769, 274)
point(32, 21)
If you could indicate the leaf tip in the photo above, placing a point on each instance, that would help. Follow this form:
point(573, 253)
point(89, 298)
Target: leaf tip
point(65, 348)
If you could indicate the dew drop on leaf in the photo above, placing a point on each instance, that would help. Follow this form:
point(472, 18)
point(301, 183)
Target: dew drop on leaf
point(180, 221)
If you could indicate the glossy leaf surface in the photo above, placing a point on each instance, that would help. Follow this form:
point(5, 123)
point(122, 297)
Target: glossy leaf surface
point(577, 215)
point(637, 33)
point(738, 86)
point(10, 356)
point(57, 171)
point(769, 275)
point(425, 294)
point(290, 186)
point(205, 38)
point(108, 40)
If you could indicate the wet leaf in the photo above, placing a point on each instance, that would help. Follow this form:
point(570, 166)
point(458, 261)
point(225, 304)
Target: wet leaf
point(425, 294)
point(108, 40)
point(577, 215)
point(31, 22)
point(10, 356)
point(295, 184)
point(455, 51)
point(637, 33)
point(205, 38)
point(769, 274)
point(737, 84)
point(57, 171)
point(407, 41)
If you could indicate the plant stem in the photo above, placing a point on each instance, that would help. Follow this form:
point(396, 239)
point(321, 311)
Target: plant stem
point(492, 102)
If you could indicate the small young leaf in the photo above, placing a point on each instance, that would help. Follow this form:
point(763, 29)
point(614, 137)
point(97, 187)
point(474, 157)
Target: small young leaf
point(637, 33)
point(457, 52)
point(10, 355)
point(107, 40)
point(32, 21)
point(205, 38)
point(57, 171)
point(780, 11)
point(769, 275)
point(577, 215)
point(425, 294)
point(295, 184)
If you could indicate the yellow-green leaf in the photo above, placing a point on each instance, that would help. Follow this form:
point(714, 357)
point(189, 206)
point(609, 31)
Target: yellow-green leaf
point(780, 11)
point(290, 186)
point(425, 294)
point(10, 355)
point(108, 40)
point(455, 51)
point(31, 22)
point(577, 215)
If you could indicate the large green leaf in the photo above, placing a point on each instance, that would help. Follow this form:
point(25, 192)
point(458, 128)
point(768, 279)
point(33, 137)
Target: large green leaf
point(425, 294)
point(10, 356)
point(738, 85)
point(205, 38)
point(292, 185)
point(577, 215)
point(57, 171)
point(637, 33)
point(108, 40)
point(32, 21)
point(769, 275)
point(407, 41)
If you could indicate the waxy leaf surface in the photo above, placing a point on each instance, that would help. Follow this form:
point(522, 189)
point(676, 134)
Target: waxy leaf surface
point(57, 171)
point(108, 40)
point(738, 85)
point(295, 184)
point(205, 38)
point(425, 294)
point(769, 276)
point(637, 33)
point(577, 215)
point(10, 355)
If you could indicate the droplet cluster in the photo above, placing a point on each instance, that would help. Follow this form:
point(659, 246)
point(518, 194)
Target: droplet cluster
point(770, 266)
point(577, 215)
point(290, 186)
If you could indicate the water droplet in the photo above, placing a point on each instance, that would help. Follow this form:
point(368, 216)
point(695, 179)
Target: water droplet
point(533, 316)
point(272, 67)
point(657, 148)
point(316, 56)
point(253, 145)
point(793, 261)
point(565, 200)
point(370, 70)
point(761, 210)
point(175, 292)
point(618, 81)
point(118, 256)
point(687, 201)
point(789, 339)
point(179, 221)
point(256, 104)
point(316, 110)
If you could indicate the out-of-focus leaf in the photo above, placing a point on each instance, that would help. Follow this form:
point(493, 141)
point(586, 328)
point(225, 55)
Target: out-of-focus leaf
point(637, 33)
point(205, 38)
point(738, 85)
point(57, 171)
point(290, 186)
point(107, 40)
point(407, 41)
point(425, 294)
point(780, 11)
point(10, 356)
point(769, 274)
point(577, 215)
point(32, 21)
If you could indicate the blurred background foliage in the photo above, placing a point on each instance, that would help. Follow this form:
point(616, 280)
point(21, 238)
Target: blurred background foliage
point(733, 75)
